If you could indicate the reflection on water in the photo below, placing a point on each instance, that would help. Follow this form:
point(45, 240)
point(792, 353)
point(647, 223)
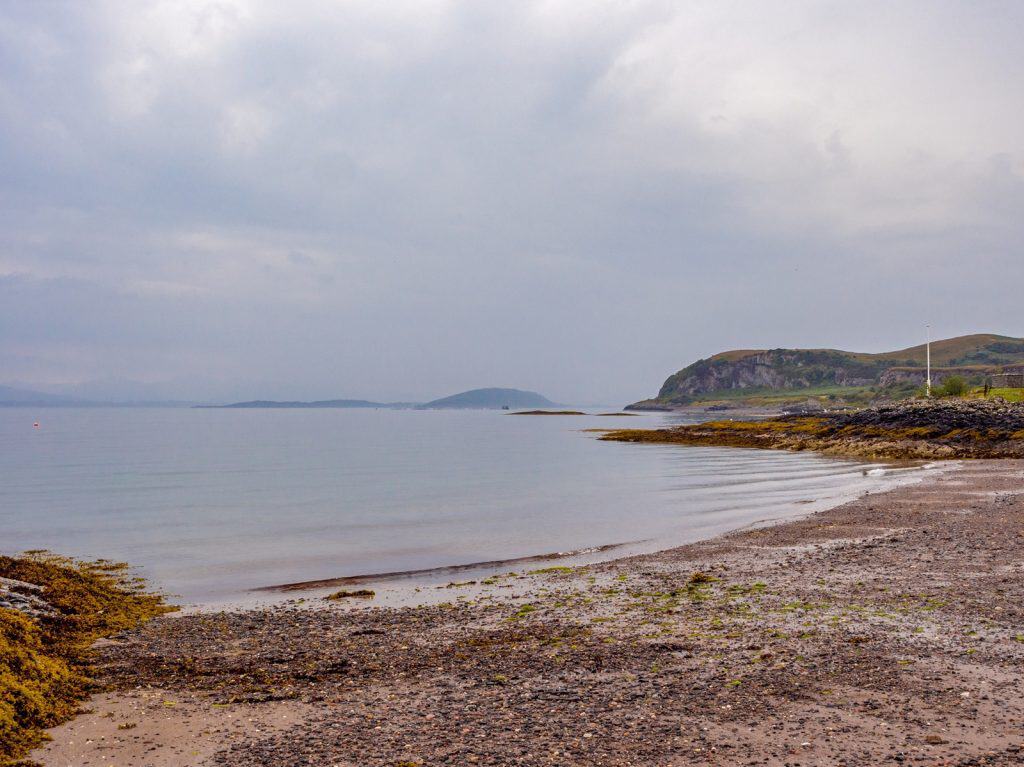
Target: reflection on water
point(213, 502)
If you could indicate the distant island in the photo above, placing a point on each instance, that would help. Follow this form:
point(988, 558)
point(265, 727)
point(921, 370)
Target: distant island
point(491, 399)
point(326, 403)
point(548, 412)
point(479, 399)
point(767, 377)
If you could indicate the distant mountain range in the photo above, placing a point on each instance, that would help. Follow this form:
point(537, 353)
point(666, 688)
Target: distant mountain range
point(833, 374)
point(109, 391)
point(479, 399)
point(14, 396)
point(491, 398)
point(10, 395)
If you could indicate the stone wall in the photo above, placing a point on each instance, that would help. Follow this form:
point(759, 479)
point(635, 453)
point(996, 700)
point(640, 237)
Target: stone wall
point(1008, 381)
point(919, 375)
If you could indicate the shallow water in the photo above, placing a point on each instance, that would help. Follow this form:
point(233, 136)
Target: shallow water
point(212, 503)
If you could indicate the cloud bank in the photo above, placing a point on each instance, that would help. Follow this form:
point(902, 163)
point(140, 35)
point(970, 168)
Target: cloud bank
point(404, 199)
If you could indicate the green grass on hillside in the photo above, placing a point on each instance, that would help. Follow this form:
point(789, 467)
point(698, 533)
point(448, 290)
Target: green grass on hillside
point(982, 349)
point(1010, 395)
point(763, 397)
point(829, 396)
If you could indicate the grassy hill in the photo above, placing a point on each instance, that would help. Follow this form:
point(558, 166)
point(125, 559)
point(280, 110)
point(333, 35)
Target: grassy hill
point(777, 376)
point(978, 349)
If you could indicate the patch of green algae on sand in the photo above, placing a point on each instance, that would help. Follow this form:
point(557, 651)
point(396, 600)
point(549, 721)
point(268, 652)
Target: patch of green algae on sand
point(44, 660)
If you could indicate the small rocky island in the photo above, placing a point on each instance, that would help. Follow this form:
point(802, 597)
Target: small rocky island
point(913, 429)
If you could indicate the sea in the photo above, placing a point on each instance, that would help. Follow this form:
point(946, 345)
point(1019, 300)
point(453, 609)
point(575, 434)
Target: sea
point(213, 505)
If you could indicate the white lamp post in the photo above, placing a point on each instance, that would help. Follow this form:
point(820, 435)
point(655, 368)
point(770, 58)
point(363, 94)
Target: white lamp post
point(928, 354)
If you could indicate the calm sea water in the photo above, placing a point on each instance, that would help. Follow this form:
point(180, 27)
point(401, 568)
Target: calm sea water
point(211, 503)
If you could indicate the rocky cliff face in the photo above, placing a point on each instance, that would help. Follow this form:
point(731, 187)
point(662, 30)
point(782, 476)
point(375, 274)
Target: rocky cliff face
point(917, 375)
point(772, 369)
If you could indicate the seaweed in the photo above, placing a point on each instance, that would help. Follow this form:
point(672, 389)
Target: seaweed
point(44, 659)
point(357, 594)
point(932, 429)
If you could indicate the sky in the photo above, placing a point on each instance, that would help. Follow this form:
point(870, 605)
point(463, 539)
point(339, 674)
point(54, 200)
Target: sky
point(400, 200)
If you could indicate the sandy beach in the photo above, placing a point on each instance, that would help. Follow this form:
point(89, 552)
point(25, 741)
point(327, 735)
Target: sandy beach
point(887, 630)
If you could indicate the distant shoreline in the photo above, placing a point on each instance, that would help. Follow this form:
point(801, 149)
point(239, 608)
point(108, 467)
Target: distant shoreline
point(493, 398)
point(332, 404)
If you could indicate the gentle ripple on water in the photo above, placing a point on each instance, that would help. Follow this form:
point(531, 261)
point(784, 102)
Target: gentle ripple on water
point(213, 502)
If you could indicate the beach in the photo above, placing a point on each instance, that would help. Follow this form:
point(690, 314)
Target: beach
point(886, 630)
point(523, 384)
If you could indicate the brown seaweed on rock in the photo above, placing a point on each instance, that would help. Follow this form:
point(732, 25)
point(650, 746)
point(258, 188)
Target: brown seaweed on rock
point(45, 635)
point(917, 429)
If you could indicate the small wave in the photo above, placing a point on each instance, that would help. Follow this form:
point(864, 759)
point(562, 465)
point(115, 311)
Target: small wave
point(445, 569)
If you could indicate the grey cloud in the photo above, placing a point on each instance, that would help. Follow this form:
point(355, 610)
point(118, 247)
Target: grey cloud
point(402, 200)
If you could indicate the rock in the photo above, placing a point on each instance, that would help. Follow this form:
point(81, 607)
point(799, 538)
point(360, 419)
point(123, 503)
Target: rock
point(915, 429)
point(24, 597)
point(943, 415)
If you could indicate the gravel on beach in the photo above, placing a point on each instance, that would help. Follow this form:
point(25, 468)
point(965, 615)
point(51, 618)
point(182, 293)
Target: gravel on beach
point(887, 631)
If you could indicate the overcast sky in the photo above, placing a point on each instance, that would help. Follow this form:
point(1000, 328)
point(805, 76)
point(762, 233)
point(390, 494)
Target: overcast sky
point(405, 199)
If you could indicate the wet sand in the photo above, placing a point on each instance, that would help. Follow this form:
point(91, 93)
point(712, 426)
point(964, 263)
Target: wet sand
point(887, 630)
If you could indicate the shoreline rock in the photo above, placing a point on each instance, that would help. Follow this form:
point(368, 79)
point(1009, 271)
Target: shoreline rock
point(24, 597)
point(914, 429)
point(52, 609)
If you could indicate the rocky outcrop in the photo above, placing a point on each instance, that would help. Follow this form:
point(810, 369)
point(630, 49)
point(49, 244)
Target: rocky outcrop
point(789, 370)
point(921, 429)
point(940, 416)
point(772, 369)
point(918, 375)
